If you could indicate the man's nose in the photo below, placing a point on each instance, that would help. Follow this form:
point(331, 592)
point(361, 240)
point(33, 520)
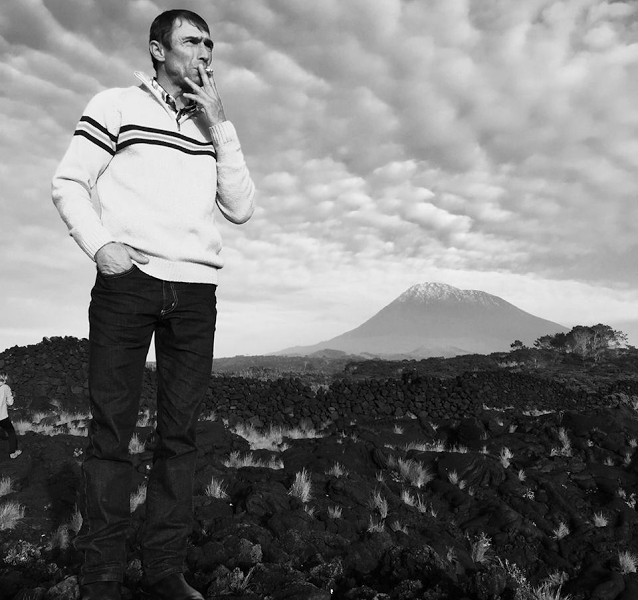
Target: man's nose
point(203, 51)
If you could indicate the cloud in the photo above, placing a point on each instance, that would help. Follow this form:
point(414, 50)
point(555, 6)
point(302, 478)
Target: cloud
point(389, 140)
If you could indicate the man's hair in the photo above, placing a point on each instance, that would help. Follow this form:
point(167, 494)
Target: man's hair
point(3, 378)
point(162, 27)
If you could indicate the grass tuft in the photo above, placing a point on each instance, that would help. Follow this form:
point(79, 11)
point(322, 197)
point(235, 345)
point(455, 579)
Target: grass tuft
point(136, 446)
point(628, 562)
point(379, 503)
point(237, 461)
point(6, 486)
point(301, 487)
point(411, 471)
point(561, 531)
point(337, 470)
point(11, 513)
point(138, 497)
point(216, 489)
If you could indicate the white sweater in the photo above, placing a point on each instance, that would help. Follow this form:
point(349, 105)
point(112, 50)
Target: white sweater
point(6, 399)
point(135, 174)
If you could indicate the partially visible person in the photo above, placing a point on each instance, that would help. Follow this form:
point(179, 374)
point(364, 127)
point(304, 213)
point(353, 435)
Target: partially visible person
point(6, 400)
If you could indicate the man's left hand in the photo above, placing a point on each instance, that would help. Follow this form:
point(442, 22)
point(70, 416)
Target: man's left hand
point(207, 96)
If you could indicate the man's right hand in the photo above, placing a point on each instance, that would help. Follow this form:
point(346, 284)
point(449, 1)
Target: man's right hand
point(114, 258)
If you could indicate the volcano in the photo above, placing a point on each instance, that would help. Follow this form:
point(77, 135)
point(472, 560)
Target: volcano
point(436, 319)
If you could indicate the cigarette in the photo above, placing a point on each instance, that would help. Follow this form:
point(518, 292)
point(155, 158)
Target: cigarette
point(209, 70)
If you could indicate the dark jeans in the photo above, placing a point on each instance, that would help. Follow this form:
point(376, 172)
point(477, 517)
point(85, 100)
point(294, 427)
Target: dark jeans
point(11, 432)
point(125, 311)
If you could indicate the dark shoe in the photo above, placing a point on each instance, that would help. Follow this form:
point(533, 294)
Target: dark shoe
point(101, 590)
point(172, 587)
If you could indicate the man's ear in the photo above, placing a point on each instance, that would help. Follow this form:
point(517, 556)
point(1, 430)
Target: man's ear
point(157, 50)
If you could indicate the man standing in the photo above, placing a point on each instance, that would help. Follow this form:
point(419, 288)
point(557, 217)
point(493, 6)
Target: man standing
point(161, 156)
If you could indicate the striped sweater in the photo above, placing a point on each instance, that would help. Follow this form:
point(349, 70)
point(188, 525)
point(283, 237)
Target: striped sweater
point(139, 173)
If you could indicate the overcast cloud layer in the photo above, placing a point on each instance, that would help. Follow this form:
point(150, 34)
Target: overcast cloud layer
point(488, 144)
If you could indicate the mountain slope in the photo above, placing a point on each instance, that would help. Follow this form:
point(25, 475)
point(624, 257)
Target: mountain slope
point(435, 319)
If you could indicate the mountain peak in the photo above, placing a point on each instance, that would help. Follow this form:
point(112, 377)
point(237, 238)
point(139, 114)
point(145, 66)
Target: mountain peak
point(435, 292)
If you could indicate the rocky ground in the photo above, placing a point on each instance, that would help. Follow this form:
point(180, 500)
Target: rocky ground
point(502, 506)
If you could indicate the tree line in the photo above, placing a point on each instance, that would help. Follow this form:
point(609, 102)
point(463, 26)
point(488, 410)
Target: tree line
point(593, 341)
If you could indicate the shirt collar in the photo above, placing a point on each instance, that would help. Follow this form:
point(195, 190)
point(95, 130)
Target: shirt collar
point(170, 101)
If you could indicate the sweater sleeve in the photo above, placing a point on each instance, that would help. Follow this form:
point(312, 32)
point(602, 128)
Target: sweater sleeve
point(91, 149)
point(235, 188)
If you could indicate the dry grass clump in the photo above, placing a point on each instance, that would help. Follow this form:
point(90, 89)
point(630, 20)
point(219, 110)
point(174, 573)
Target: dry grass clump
point(411, 471)
point(51, 424)
point(480, 548)
point(273, 437)
point(628, 562)
point(11, 513)
point(566, 445)
point(61, 539)
point(216, 489)
point(237, 461)
point(397, 526)
point(6, 486)
point(138, 497)
point(337, 470)
point(437, 446)
point(561, 531)
point(136, 446)
point(379, 503)
point(506, 456)
point(417, 502)
point(376, 526)
point(301, 487)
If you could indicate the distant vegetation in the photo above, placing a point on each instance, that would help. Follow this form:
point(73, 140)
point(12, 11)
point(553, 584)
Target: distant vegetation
point(597, 350)
point(595, 342)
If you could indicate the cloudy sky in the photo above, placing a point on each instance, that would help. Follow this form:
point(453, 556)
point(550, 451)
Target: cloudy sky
point(487, 144)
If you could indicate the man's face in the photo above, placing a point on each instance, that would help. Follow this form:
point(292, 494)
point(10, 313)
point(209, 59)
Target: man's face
point(190, 47)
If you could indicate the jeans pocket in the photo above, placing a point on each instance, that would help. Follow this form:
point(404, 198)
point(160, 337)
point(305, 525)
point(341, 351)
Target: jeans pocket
point(116, 275)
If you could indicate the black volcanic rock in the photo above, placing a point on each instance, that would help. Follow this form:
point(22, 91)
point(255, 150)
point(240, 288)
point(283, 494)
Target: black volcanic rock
point(435, 319)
